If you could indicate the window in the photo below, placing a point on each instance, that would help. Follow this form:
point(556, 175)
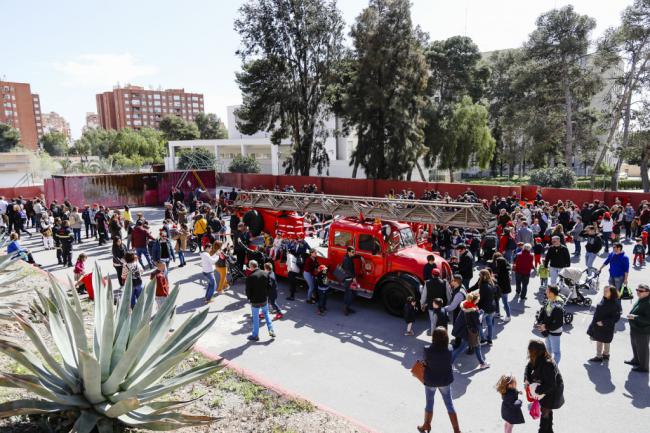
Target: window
point(126, 95)
point(177, 98)
point(157, 103)
point(137, 122)
point(369, 244)
point(342, 239)
point(156, 96)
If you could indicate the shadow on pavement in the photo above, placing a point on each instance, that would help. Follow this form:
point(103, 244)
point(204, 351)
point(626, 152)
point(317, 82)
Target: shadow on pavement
point(637, 389)
point(601, 377)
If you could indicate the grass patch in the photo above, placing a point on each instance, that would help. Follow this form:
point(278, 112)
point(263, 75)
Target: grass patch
point(290, 407)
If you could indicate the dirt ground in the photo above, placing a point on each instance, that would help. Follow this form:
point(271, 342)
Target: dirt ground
point(241, 405)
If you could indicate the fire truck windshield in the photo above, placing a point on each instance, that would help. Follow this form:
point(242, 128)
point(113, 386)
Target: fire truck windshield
point(406, 237)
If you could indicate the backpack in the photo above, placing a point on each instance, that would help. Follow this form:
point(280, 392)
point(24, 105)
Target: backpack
point(511, 245)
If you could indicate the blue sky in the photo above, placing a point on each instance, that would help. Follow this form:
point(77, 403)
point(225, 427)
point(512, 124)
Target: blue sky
point(69, 50)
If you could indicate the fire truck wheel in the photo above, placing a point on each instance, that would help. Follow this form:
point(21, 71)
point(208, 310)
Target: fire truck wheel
point(254, 221)
point(393, 295)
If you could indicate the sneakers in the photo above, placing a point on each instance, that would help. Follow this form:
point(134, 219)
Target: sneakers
point(278, 316)
point(484, 366)
point(507, 319)
point(272, 334)
point(252, 338)
point(409, 333)
point(596, 359)
point(605, 357)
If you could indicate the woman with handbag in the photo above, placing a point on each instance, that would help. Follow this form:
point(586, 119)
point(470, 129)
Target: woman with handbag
point(438, 375)
point(544, 383)
point(601, 329)
point(466, 329)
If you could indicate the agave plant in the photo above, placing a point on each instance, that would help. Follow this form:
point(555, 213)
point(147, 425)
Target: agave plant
point(116, 378)
point(7, 280)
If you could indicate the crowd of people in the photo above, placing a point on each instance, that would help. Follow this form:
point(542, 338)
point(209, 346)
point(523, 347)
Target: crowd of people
point(532, 238)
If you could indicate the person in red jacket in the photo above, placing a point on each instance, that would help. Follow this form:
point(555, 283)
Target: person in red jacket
point(162, 284)
point(139, 238)
point(524, 264)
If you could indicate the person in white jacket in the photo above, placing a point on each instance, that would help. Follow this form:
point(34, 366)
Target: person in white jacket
point(294, 272)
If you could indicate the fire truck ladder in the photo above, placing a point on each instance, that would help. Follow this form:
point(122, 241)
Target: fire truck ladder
point(455, 214)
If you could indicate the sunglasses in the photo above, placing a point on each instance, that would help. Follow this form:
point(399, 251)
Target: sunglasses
point(642, 290)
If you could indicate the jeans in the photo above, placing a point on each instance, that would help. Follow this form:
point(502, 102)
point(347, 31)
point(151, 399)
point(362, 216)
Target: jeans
point(578, 246)
point(309, 278)
point(255, 311)
point(322, 299)
point(607, 236)
point(433, 318)
point(506, 305)
point(616, 282)
point(445, 391)
point(181, 257)
point(489, 321)
point(628, 229)
point(554, 274)
point(137, 290)
point(464, 344)
point(521, 284)
point(212, 285)
point(553, 346)
point(507, 254)
point(140, 251)
point(348, 295)
point(590, 257)
point(166, 262)
point(76, 234)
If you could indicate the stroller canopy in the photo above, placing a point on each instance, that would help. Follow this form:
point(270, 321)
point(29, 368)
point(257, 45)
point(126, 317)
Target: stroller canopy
point(572, 274)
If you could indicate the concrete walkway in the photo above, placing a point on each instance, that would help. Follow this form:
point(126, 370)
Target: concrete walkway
point(359, 365)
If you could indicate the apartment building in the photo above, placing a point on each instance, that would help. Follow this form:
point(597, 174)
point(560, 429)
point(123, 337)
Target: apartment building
point(136, 107)
point(21, 109)
point(53, 121)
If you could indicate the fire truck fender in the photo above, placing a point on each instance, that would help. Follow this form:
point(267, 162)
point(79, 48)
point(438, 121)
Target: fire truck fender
point(410, 281)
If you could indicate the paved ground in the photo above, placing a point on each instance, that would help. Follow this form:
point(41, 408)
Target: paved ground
point(358, 365)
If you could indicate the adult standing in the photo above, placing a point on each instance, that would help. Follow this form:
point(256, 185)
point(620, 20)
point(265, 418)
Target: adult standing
point(119, 251)
point(543, 376)
point(523, 266)
point(557, 258)
point(524, 234)
point(200, 227)
point(163, 251)
point(220, 266)
point(85, 215)
point(438, 376)
point(551, 320)
point(434, 287)
point(208, 268)
point(628, 217)
point(64, 234)
point(607, 228)
point(293, 273)
point(593, 246)
point(139, 239)
point(487, 289)
point(350, 275)
point(601, 329)
point(133, 270)
point(257, 292)
point(75, 224)
point(639, 319)
point(502, 275)
point(309, 273)
point(100, 221)
point(619, 266)
point(458, 295)
point(576, 233)
point(465, 264)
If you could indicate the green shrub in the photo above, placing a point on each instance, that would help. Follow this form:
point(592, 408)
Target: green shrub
point(606, 184)
point(244, 164)
point(556, 177)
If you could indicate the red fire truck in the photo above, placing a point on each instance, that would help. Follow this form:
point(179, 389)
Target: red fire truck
point(389, 261)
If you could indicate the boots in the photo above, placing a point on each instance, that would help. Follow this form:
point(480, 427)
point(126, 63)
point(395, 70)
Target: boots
point(454, 422)
point(426, 427)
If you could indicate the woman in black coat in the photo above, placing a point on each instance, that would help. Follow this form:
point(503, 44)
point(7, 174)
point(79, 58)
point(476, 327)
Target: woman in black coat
point(502, 275)
point(544, 379)
point(601, 329)
point(438, 375)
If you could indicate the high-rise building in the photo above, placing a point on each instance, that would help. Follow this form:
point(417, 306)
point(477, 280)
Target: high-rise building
point(22, 110)
point(92, 121)
point(55, 122)
point(134, 107)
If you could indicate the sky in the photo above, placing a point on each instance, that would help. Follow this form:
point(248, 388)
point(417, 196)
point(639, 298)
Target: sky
point(70, 50)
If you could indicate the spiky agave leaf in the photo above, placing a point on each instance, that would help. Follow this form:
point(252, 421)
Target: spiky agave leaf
point(116, 377)
point(8, 277)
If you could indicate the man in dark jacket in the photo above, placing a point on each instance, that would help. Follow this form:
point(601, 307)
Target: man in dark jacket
point(348, 268)
point(465, 264)
point(428, 267)
point(64, 235)
point(593, 245)
point(257, 292)
point(557, 258)
point(434, 287)
point(550, 321)
point(639, 319)
point(85, 216)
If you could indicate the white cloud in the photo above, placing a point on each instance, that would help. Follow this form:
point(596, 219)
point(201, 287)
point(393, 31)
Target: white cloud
point(101, 70)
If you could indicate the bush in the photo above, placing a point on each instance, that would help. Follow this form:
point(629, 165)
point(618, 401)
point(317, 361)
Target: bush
point(556, 177)
point(606, 184)
point(198, 159)
point(244, 164)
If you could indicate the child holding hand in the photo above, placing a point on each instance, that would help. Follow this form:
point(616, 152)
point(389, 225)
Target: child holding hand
point(510, 402)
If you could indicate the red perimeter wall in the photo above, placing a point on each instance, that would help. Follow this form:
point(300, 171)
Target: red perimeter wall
point(150, 189)
point(25, 191)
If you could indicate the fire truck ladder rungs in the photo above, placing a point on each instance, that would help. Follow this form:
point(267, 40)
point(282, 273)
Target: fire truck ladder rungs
point(457, 214)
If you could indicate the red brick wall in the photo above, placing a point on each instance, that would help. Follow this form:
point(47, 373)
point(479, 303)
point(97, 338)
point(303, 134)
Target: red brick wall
point(25, 191)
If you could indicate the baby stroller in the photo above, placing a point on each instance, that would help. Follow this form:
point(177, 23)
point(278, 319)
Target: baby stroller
point(234, 272)
point(571, 286)
point(568, 316)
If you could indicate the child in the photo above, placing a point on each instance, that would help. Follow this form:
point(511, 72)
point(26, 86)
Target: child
point(162, 284)
point(273, 291)
point(520, 248)
point(441, 316)
point(639, 252)
point(544, 274)
point(538, 250)
point(410, 308)
point(322, 287)
point(79, 267)
point(510, 403)
point(46, 231)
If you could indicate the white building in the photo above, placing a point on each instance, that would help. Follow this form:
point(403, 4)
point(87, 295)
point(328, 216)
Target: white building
point(270, 157)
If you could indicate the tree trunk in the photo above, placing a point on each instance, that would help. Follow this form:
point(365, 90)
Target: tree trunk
point(645, 182)
point(568, 106)
point(626, 138)
point(419, 167)
point(451, 175)
point(354, 169)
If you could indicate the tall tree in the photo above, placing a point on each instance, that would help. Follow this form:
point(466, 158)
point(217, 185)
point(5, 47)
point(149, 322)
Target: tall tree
point(55, 143)
point(387, 90)
point(559, 48)
point(177, 128)
point(455, 71)
point(100, 142)
point(624, 53)
point(467, 135)
point(210, 126)
point(9, 137)
point(289, 49)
